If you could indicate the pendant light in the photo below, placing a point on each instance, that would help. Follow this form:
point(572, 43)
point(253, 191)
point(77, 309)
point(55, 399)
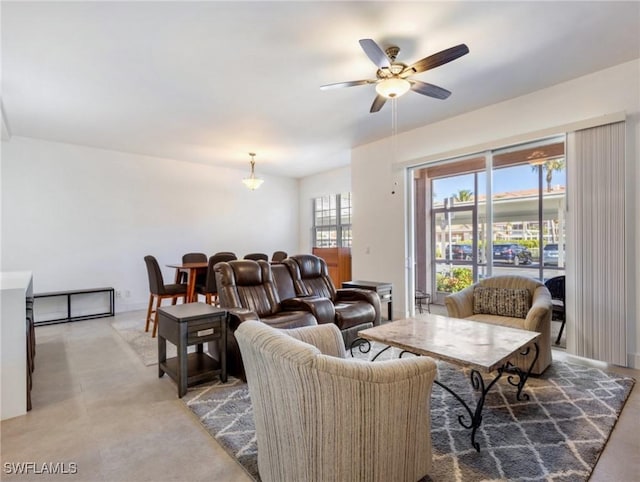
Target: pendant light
point(252, 182)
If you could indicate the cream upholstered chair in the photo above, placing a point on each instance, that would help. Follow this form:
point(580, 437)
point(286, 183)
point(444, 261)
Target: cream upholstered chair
point(322, 417)
point(535, 317)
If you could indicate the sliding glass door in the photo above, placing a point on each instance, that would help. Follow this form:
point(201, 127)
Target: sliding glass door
point(450, 231)
point(498, 212)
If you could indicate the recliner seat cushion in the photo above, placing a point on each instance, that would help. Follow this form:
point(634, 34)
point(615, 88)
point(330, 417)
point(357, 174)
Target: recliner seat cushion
point(290, 319)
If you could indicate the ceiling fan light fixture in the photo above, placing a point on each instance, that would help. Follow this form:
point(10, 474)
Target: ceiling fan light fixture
point(252, 182)
point(391, 76)
point(393, 87)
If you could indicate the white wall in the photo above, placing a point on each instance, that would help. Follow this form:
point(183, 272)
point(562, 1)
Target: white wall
point(81, 217)
point(379, 251)
point(335, 181)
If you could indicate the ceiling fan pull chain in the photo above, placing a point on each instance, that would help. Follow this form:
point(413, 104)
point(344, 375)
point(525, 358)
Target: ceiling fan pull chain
point(394, 130)
point(394, 141)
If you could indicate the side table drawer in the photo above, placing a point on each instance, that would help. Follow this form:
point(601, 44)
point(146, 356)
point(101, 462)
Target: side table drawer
point(204, 331)
point(384, 293)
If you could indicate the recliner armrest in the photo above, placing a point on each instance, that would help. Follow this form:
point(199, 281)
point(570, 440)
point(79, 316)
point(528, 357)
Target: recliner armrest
point(359, 294)
point(321, 308)
point(238, 315)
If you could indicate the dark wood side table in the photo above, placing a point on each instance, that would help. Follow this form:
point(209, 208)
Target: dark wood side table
point(383, 289)
point(192, 324)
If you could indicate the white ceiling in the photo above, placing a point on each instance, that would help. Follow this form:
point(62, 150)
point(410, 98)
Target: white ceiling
point(208, 82)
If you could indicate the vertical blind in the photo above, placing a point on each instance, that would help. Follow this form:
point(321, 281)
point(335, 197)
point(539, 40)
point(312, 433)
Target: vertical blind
point(597, 272)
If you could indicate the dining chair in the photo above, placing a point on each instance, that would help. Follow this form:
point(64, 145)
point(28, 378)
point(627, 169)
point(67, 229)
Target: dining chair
point(160, 291)
point(257, 256)
point(209, 288)
point(278, 256)
point(181, 276)
point(231, 253)
point(555, 286)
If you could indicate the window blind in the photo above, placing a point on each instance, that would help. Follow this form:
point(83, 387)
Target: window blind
point(597, 271)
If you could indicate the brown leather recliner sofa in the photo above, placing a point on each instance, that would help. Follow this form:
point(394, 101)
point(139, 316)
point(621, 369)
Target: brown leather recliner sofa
point(257, 290)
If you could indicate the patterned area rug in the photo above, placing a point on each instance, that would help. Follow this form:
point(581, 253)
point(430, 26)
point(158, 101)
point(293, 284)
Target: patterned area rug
point(558, 434)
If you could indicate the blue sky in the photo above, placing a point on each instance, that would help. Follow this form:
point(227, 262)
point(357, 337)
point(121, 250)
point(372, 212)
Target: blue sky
point(514, 178)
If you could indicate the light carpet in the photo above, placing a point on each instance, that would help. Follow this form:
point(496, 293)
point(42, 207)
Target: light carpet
point(556, 435)
point(132, 331)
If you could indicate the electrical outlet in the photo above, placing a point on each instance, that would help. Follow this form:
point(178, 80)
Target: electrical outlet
point(127, 294)
point(118, 294)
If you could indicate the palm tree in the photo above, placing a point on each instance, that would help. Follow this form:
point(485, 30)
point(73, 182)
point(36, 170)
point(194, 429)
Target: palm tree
point(550, 166)
point(463, 195)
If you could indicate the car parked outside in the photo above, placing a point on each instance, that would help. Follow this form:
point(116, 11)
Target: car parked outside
point(460, 251)
point(511, 253)
point(550, 254)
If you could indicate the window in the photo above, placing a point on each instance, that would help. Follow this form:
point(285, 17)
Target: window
point(332, 221)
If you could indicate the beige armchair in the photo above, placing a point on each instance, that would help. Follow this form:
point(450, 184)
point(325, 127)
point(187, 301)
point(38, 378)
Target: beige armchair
point(323, 417)
point(538, 316)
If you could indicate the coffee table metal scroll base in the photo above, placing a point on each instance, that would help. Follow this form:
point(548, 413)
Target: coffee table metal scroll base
point(475, 416)
point(517, 379)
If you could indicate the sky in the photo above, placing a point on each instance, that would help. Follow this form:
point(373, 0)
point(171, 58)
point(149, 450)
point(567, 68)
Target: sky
point(515, 178)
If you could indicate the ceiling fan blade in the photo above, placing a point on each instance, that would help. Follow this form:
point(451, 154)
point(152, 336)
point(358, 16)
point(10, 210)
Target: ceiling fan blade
point(352, 83)
point(429, 89)
point(378, 102)
point(375, 53)
point(435, 60)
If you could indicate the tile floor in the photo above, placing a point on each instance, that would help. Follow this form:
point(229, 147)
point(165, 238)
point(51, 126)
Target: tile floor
point(97, 405)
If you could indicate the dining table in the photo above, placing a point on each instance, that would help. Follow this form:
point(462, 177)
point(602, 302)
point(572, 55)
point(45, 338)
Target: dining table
point(192, 270)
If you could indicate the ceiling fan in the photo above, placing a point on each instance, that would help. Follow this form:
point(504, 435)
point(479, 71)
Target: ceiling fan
point(393, 79)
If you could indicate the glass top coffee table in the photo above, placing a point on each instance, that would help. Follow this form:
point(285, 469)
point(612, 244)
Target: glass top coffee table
point(480, 347)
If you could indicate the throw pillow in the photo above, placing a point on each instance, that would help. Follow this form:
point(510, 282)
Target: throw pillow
point(501, 301)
